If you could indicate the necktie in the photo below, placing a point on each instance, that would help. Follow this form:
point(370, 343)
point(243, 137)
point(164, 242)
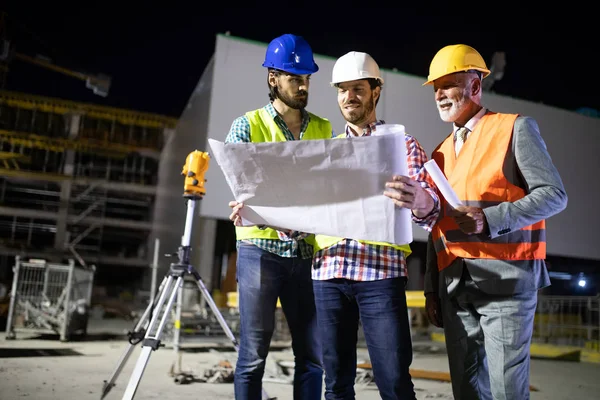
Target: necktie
point(460, 137)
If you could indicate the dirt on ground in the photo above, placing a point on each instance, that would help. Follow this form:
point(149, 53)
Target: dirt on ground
point(42, 367)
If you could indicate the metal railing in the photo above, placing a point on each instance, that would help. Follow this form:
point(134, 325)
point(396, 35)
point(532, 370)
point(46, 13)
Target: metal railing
point(568, 320)
point(49, 298)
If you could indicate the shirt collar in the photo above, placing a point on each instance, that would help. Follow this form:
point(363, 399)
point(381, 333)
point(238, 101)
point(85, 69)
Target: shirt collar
point(366, 130)
point(470, 125)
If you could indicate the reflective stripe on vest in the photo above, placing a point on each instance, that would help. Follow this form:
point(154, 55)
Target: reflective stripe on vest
point(263, 128)
point(477, 177)
point(321, 242)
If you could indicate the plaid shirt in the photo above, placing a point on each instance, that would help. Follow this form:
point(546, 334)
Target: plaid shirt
point(351, 259)
point(291, 243)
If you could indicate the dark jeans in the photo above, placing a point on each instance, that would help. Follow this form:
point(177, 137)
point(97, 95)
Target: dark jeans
point(262, 278)
point(381, 308)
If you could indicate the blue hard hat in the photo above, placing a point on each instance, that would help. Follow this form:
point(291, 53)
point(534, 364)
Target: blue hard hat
point(290, 53)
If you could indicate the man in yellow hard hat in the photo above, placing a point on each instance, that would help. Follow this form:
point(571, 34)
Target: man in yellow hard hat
point(485, 259)
point(364, 281)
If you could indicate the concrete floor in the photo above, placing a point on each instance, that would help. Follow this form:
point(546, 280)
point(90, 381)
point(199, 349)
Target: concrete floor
point(43, 368)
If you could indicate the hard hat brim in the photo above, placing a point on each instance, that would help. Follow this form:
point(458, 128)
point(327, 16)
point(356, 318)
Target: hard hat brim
point(430, 79)
point(358, 79)
point(295, 71)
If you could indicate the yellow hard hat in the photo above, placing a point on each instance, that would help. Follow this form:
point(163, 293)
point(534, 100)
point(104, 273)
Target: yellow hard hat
point(455, 58)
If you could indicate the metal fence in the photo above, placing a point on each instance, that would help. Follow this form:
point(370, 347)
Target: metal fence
point(49, 298)
point(568, 320)
point(559, 320)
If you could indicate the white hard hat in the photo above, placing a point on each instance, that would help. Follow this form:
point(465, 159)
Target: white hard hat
point(355, 65)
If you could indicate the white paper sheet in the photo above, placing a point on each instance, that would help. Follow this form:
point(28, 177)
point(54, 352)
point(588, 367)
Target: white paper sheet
point(333, 186)
point(442, 183)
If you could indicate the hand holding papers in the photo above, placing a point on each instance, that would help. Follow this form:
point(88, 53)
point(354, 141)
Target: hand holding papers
point(333, 186)
point(442, 183)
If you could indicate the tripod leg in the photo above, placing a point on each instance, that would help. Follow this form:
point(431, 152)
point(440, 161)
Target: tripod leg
point(176, 370)
point(177, 325)
point(152, 342)
point(223, 323)
point(217, 313)
point(139, 327)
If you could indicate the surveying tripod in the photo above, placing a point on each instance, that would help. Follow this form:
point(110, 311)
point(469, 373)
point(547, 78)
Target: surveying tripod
point(148, 333)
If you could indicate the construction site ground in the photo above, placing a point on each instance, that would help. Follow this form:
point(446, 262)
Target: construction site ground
point(42, 367)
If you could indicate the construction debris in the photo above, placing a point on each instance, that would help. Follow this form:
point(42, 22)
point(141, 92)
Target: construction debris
point(366, 372)
point(220, 373)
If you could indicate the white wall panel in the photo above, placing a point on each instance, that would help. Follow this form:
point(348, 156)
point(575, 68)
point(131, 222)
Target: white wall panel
point(239, 85)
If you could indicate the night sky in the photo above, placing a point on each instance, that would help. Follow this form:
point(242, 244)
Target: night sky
point(156, 55)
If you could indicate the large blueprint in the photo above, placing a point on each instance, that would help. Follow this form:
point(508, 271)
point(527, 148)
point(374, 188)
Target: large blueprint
point(333, 187)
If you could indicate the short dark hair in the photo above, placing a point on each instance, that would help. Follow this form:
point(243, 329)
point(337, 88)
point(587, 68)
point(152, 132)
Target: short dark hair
point(273, 94)
point(374, 82)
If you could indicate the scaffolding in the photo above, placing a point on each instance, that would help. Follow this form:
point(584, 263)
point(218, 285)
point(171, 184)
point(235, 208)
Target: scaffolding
point(77, 180)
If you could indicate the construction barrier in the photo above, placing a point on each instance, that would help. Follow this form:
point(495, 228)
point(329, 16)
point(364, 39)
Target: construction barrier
point(49, 298)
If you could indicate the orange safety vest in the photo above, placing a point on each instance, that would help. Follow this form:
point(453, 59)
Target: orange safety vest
point(478, 179)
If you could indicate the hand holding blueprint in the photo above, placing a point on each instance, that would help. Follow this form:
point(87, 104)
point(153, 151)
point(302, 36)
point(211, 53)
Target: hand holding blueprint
point(442, 183)
point(332, 186)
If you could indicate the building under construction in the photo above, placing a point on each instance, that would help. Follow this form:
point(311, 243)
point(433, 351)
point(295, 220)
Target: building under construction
point(87, 198)
point(77, 181)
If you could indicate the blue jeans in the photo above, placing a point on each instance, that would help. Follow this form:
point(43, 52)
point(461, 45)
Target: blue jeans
point(381, 308)
point(262, 278)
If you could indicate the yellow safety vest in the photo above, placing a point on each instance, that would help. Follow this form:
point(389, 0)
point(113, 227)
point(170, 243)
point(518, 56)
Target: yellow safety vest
point(263, 128)
point(321, 242)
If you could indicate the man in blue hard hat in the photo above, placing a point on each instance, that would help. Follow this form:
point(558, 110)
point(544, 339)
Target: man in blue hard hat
point(274, 263)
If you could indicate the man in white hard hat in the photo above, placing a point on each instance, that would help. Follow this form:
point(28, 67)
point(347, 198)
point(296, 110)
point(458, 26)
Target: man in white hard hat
point(485, 260)
point(362, 280)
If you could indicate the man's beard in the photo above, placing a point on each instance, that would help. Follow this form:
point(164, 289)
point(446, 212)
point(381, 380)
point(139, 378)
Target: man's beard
point(358, 116)
point(293, 102)
point(456, 109)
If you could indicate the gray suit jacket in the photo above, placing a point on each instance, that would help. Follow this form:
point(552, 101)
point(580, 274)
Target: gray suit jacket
point(545, 197)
